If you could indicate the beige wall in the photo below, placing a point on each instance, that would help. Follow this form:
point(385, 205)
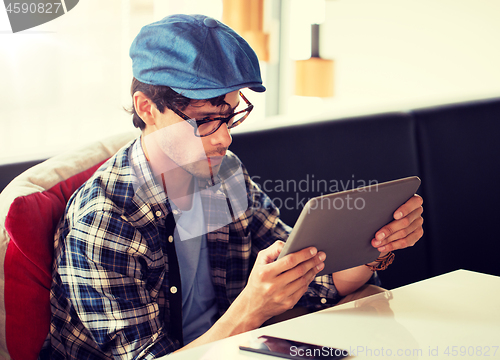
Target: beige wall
point(64, 83)
point(392, 54)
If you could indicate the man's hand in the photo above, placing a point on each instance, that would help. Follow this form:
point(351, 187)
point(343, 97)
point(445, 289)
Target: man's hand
point(276, 286)
point(273, 287)
point(405, 230)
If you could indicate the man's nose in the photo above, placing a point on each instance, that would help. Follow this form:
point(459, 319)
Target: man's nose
point(222, 137)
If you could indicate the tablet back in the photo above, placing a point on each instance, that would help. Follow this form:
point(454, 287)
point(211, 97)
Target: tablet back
point(343, 224)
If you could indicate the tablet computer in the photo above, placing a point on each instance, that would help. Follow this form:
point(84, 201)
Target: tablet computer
point(343, 224)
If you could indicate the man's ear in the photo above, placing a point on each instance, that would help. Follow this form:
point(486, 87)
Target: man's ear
point(144, 107)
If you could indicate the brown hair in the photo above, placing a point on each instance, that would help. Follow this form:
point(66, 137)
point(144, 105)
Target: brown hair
point(163, 97)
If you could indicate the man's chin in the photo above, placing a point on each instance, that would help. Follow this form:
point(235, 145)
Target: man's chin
point(204, 172)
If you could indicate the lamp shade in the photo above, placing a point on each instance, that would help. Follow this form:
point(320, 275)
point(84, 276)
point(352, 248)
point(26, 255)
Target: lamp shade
point(314, 77)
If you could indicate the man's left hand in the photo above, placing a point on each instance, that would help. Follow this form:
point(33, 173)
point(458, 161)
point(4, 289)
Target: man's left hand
point(405, 230)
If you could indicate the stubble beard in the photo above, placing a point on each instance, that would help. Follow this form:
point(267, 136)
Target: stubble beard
point(200, 169)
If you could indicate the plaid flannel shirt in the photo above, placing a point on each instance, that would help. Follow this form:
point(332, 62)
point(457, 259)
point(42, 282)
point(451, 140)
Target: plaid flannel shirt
point(109, 295)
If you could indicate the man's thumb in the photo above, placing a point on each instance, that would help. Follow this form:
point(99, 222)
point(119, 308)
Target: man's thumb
point(271, 253)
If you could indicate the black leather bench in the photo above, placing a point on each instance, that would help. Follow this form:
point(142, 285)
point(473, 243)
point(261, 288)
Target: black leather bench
point(459, 151)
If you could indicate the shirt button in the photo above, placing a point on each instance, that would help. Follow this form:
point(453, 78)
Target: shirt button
point(173, 289)
point(158, 213)
point(323, 300)
point(176, 212)
point(170, 239)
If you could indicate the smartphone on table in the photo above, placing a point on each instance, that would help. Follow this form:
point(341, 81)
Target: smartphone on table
point(290, 349)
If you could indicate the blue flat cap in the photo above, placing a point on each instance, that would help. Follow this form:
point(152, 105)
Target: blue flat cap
point(197, 56)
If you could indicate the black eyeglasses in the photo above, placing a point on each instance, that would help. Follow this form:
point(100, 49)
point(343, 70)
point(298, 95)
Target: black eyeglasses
point(208, 126)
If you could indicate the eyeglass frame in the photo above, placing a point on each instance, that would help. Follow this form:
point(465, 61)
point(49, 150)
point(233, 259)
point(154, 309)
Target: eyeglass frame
point(223, 120)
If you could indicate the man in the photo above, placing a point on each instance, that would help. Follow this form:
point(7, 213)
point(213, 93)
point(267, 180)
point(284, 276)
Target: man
point(170, 244)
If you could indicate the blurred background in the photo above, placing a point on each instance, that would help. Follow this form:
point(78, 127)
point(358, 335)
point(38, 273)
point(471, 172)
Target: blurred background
point(65, 83)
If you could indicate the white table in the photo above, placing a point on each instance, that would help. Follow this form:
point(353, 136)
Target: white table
point(451, 316)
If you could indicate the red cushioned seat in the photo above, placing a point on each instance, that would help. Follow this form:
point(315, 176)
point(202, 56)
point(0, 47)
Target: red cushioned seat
point(30, 208)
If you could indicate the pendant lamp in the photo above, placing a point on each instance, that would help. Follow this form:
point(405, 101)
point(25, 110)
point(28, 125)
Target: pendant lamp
point(314, 76)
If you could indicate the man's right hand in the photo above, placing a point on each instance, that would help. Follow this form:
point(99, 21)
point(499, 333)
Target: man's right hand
point(275, 286)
